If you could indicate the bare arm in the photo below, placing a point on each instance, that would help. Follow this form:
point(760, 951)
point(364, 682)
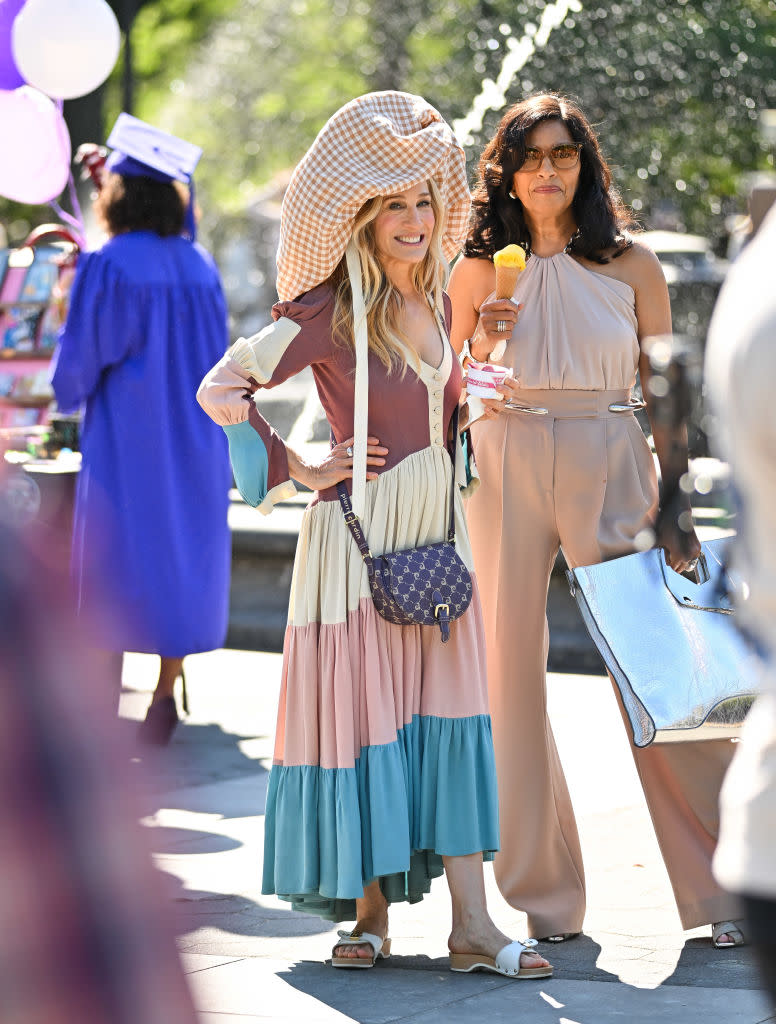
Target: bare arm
point(469, 284)
point(653, 315)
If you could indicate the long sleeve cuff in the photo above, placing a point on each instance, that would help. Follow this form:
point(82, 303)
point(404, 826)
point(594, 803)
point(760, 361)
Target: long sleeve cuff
point(261, 476)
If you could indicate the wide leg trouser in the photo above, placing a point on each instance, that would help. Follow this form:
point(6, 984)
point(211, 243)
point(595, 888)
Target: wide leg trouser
point(581, 478)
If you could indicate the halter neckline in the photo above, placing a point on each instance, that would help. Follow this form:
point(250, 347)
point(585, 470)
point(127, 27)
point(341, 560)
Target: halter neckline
point(566, 250)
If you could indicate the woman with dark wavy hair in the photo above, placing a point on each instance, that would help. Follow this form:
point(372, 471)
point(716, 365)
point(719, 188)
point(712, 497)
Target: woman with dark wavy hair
point(598, 214)
point(564, 464)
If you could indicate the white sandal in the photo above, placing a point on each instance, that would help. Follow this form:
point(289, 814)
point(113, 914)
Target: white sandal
point(381, 949)
point(507, 962)
point(731, 928)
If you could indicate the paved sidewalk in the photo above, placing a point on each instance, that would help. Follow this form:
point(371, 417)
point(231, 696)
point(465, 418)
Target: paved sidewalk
point(250, 959)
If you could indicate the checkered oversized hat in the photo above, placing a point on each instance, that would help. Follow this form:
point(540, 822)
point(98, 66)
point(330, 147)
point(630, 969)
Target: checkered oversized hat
point(378, 144)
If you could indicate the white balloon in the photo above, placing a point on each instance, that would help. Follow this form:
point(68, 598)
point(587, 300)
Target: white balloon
point(36, 147)
point(65, 48)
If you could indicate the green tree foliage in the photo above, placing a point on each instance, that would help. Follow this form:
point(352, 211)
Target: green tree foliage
point(166, 31)
point(263, 84)
point(675, 86)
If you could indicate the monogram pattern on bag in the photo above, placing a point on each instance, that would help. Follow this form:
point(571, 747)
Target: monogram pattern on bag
point(404, 582)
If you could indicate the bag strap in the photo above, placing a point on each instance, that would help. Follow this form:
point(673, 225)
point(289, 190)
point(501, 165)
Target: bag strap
point(361, 400)
point(353, 523)
point(451, 451)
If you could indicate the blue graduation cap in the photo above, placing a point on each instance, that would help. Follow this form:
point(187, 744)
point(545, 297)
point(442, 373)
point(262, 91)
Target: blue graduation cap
point(141, 149)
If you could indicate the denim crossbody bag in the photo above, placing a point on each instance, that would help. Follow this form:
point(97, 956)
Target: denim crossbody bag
point(422, 586)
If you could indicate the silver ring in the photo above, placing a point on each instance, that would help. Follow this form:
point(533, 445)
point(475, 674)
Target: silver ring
point(349, 450)
point(501, 326)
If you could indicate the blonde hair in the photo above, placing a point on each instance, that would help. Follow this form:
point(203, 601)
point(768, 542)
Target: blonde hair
point(382, 301)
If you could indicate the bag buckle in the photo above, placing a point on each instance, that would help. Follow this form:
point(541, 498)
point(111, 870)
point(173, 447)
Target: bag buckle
point(442, 615)
point(351, 517)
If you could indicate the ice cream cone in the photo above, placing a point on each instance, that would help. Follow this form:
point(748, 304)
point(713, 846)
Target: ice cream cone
point(506, 281)
point(509, 263)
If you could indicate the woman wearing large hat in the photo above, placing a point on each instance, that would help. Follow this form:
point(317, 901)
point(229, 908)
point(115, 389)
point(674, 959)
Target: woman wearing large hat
point(383, 773)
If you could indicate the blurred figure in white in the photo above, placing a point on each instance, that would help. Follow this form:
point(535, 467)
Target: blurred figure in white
point(740, 370)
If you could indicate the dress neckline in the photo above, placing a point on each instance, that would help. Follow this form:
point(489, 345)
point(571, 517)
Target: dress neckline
point(438, 318)
point(565, 251)
point(440, 322)
point(585, 269)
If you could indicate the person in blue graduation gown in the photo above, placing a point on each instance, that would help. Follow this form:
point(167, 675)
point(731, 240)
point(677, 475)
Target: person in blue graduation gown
point(147, 320)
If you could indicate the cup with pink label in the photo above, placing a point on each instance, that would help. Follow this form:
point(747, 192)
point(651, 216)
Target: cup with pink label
point(484, 378)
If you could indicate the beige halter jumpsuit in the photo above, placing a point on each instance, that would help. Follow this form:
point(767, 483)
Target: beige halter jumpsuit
point(580, 477)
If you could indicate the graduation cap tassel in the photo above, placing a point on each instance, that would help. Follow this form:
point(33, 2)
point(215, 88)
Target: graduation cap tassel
point(190, 220)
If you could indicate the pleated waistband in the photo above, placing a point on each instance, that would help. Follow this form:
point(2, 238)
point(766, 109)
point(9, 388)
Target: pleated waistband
point(567, 404)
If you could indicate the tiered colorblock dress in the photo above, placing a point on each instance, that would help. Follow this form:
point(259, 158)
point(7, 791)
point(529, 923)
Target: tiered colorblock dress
point(383, 757)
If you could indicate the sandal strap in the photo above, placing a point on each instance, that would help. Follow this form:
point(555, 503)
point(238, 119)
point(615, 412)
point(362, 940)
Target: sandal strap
point(508, 958)
point(731, 928)
point(355, 938)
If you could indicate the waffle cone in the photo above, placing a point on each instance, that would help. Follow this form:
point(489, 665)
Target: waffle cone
point(506, 281)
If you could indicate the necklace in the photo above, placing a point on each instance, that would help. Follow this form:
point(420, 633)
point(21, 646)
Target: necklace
point(566, 249)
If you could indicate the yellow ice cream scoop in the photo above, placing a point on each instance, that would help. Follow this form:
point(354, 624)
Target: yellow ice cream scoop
point(510, 256)
point(509, 262)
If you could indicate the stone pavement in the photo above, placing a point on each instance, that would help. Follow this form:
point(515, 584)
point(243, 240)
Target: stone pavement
point(250, 959)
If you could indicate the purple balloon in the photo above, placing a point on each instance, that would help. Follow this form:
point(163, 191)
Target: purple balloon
point(9, 73)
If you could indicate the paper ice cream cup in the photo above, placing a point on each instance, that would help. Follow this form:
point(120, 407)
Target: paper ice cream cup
point(484, 379)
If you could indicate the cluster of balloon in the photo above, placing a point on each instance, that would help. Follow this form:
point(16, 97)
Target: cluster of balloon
point(50, 51)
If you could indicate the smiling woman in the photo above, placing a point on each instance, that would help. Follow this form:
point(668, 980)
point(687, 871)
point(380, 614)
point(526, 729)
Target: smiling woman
point(403, 226)
point(383, 774)
point(397, 238)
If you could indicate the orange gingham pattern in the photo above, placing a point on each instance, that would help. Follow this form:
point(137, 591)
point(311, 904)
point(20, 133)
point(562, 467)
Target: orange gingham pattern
point(377, 144)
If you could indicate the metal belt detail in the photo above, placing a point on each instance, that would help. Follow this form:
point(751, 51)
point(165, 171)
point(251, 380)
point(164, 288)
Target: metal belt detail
point(535, 410)
point(632, 406)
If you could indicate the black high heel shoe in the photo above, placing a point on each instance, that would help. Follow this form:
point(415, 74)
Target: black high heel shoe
point(159, 724)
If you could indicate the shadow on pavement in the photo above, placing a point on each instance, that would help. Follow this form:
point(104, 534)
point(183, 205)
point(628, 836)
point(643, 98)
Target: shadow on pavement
point(576, 960)
point(233, 913)
point(185, 774)
point(357, 993)
point(167, 839)
point(700, 963)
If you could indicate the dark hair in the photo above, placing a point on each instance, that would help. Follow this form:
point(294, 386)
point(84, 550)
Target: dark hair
point(497, 219)
point(138, 203)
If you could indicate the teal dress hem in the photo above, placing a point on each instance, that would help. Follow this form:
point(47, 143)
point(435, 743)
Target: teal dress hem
point(392, 816)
